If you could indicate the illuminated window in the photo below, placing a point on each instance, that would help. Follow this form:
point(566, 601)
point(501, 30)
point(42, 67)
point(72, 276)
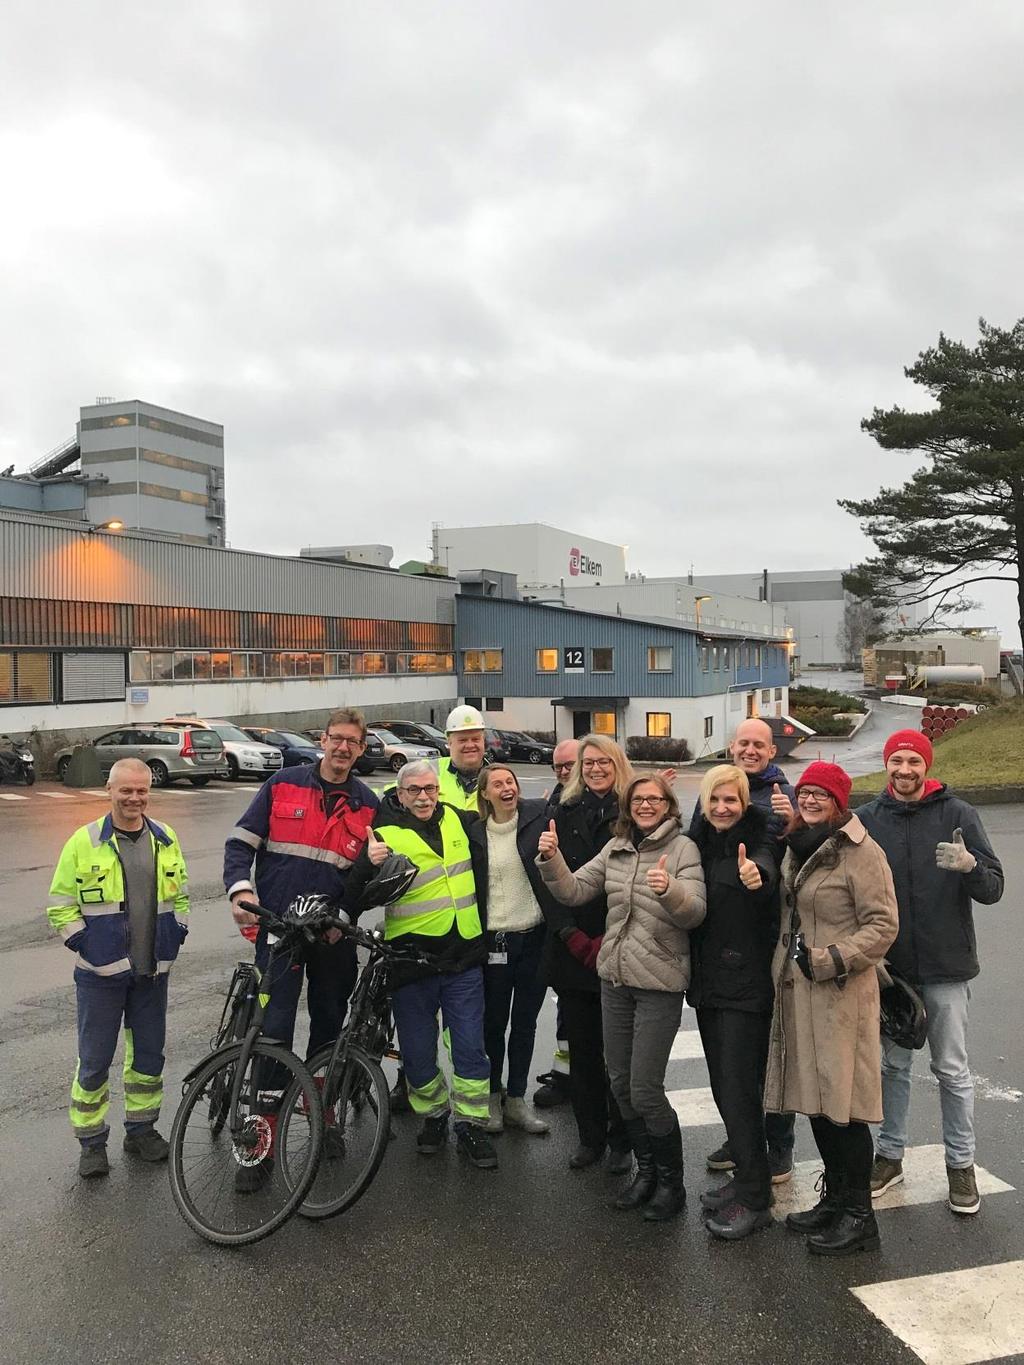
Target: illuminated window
point(547, 662)
point(659, 724)
point(482, 661)
point(220, 665)
point(659, 659)
point(25, 676)
point(602, 659)
point(603, 723)
point(374, 663)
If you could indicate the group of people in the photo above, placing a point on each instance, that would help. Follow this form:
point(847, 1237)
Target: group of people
point(769, 910)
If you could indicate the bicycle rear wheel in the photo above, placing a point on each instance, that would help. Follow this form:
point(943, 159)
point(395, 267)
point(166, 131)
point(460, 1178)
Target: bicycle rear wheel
point(357, 1112)
point(235, 1187)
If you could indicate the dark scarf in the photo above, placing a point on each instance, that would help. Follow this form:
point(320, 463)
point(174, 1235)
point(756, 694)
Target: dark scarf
point(806, 842)
point(599, 810)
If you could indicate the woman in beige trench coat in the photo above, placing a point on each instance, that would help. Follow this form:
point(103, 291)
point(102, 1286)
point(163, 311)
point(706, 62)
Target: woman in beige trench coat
point(838, 919)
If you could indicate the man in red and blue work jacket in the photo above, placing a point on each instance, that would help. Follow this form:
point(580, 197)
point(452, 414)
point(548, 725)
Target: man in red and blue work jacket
point(305, 829)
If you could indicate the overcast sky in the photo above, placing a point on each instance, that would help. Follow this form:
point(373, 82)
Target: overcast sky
point(637, 270)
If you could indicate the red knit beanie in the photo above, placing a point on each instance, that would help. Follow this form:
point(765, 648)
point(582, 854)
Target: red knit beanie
point(830, 778)
point(909, 739)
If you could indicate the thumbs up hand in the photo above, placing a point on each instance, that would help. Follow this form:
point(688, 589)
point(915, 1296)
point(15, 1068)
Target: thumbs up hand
point(781, 804)
point(547, 844)
point(955, 856)
point(376, 849)
point(657, 877)
point(750, 873)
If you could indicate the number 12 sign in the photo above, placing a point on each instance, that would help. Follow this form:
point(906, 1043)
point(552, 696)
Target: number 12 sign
point(572, 660)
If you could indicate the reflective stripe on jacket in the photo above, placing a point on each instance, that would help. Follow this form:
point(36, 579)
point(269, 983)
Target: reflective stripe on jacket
point(444, 892)
point(87, 907)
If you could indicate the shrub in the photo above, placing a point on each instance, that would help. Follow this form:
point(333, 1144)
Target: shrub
point(822, 720)
point(825, 699)
point(657, 750)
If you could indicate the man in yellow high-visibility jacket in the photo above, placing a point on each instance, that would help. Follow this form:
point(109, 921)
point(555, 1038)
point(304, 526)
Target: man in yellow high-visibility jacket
point(439, 916)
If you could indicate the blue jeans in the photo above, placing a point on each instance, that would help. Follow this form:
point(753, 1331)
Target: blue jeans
point(515, 988)
point(948, 1005)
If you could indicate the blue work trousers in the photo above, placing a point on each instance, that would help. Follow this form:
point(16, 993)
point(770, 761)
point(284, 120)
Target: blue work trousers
point(103, 1003)
point(459, 997)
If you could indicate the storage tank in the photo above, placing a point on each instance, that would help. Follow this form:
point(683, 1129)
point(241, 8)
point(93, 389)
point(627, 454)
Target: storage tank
point(950, 673)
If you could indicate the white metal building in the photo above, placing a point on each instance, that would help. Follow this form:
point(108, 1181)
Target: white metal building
point(542, 557)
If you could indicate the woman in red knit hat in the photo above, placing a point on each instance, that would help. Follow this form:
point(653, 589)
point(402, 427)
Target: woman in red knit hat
point(838, 919)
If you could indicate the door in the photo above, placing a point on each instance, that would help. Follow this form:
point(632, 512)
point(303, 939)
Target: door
point(580, 724)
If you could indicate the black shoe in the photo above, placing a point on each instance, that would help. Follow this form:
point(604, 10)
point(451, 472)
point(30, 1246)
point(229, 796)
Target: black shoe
point(618, 1160)
point(249, 1179)
point(781, 1166)
point(147, 1146)
point(585, 1156)
point(641, 1187)
point(854, 1228)
point(669, 1193)
point(734, 1220)
point(92, 1162)
point(719, 1197)
point(400, 1095)
point(830, 1200)
point(554, 1090)
point(474, 1144)
point(720, 1159)
point(433, 1135)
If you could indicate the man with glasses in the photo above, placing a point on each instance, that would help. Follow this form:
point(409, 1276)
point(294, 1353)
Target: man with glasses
point(438, 916)
point(305, 828)
point(562, 760)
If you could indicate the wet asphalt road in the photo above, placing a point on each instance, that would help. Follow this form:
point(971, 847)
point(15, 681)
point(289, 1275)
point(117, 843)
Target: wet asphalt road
point(438, 1262)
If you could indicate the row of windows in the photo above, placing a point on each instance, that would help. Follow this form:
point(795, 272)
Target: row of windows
point(204, 665)
point(123, 625)
point(660, 659)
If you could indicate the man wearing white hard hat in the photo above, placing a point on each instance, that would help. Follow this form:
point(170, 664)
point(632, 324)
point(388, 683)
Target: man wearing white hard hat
point(458, 775)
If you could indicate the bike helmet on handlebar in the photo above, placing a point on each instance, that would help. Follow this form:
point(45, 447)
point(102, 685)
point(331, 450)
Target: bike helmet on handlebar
point(389, 882)
point(902, 1016)
point(305, 911)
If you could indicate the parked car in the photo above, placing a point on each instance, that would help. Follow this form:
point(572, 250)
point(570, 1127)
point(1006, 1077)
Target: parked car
point(295, 748)
point(525, 749)
point(170, 751)
point(372, 757)
point(417, 732)
point(244, 756)
point(495, 747)
point(397, 752)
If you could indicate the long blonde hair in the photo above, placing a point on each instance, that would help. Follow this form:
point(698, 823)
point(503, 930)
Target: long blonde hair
point(574, 787)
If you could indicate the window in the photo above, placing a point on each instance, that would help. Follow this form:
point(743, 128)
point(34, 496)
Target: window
point(604, 723)
point(766, 696)
point(482, 661)
point(162, 666)
point(725, 657)
point(220, 665)
point(494, 704)
point(746, 656)
point(140, 666)
point(659, 659)
point(201, 666)
point(602, 659)
point(547, 660)
point(714, 658)
point(659, 724)
point(705, 658)
point(26, 676)
point(709, 726)
point(374, 663)
point(778, 694)
point(757, 656)
point(183, 666)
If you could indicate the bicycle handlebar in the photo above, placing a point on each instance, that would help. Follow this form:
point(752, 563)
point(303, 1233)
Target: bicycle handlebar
point(373, 939)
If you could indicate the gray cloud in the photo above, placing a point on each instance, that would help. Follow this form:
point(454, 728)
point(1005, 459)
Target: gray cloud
point(635, 270)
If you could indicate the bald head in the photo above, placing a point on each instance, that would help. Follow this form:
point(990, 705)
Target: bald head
point(564, 757)
point(753, 748)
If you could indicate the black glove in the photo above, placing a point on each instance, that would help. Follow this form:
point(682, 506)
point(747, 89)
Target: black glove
point(799, 954)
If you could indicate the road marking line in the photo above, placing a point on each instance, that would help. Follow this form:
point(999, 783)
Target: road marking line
point(958, 1317)
point(57, 796)
point(685, 1045)
point(696, 1107)
point(924, 1182)
point(10, 796)
point(94, 791)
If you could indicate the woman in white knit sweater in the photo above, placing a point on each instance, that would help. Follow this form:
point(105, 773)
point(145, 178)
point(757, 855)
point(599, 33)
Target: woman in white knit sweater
point(509, 899)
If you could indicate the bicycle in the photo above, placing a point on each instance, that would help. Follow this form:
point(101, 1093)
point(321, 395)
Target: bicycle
point(235, 1018)
point(235, 1176)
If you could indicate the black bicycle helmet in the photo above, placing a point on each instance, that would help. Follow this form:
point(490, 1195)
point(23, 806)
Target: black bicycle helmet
point(389, 882)
point(902, 1016)
point(306, 911)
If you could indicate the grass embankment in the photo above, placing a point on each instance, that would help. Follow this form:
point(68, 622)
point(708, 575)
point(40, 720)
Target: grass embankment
point(985, 751)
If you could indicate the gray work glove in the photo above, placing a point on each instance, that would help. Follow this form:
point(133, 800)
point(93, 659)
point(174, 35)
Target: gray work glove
point(955, 857)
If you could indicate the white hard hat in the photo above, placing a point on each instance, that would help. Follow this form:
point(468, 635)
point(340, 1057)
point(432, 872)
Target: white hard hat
point(463, 718)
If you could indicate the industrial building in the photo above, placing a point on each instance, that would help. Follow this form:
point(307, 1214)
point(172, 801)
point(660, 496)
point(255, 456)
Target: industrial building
point(552, 669)
point(100, 628)
point(542, 558)
point(141, 466)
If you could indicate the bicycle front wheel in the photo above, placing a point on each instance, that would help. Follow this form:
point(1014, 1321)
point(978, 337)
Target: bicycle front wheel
point(357, 1123)
point(239, 1180)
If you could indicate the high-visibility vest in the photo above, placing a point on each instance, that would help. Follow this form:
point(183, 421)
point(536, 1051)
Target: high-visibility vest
point(444, 892)
point(452, 792)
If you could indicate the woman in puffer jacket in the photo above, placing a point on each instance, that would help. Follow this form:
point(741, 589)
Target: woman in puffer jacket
point(651, 875)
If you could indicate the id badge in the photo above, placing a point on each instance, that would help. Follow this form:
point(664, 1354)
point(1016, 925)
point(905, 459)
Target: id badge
point(497, 959)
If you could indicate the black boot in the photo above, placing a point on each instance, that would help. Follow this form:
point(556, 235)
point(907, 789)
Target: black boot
point(400, 1095)
point(854, 1229)
point(825, 1211)
point(669, 1195)
point(641, 1187)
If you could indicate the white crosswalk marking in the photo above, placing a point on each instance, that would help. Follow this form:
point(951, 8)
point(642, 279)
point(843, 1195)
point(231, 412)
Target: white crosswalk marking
point(696, 1106)
point(12, 796)
point(955, 1318)
point(94, 791)
point(686, 1045)
point(57, 796)
point(924, 1183)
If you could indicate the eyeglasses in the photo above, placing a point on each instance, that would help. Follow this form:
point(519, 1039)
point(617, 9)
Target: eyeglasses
point(342, 742)
point(589, 763)
point(812, 794)
point(422, 791)
point(648, 801)
point(562, 767)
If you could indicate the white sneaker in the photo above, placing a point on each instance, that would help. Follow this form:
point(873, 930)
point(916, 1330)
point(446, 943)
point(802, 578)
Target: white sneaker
point(518, 1115)
point(495, 1123)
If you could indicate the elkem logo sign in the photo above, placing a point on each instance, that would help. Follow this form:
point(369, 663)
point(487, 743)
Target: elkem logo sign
point(581, 563)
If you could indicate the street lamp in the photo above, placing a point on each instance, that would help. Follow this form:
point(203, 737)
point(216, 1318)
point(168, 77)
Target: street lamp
point(704, 597)
point(114, 524)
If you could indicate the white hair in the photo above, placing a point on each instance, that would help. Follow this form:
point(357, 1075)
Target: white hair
point(123, 767)
point(420, 767)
